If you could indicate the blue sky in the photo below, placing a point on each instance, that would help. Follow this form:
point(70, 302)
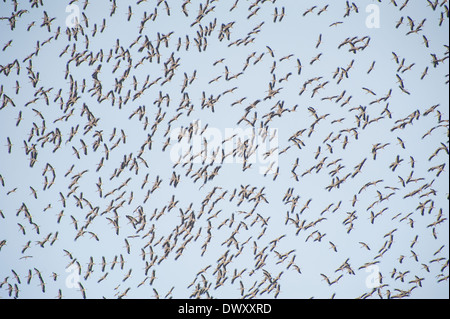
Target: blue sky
point(294, 38)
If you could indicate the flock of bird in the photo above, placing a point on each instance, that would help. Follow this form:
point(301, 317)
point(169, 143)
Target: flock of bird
point(87, 183)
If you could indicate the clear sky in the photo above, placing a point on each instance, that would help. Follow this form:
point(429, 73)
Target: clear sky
point(326, 118)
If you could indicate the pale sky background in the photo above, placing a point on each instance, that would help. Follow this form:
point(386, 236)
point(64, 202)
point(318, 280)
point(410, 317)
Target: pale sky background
point(296, 34)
